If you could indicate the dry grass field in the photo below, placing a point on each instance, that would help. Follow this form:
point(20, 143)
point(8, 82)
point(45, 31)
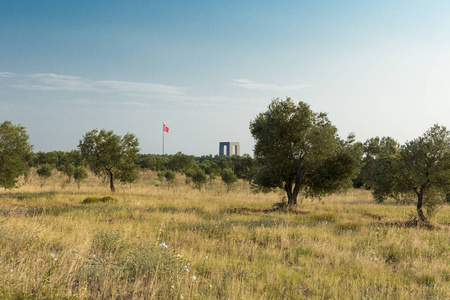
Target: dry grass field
point(152, 242)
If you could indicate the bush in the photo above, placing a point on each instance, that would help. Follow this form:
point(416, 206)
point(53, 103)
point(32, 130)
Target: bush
point(229, 178)
point(79, 175)
point(199, 179)
point(44, 172)
point(90, 200)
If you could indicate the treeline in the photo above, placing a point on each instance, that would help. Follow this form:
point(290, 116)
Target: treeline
point(243, 167)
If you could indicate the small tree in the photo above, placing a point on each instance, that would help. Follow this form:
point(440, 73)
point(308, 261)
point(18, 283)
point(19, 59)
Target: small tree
point(299, 151)
point(199, 179)
point(245, 167)
point(15, 154)
point(129, 174)
point(69, 170)
point(421, 168)
point(44, 172)
point(170, 178)
point(80, 174)
point(229, 178)
point(110, 154)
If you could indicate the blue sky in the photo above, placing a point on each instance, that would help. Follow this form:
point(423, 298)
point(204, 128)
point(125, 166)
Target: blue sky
point(206, 68)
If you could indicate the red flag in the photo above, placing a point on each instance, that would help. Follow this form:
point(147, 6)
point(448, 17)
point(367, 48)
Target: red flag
point(165, 128)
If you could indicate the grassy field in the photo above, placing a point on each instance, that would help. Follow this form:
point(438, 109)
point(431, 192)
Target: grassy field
point(155, 243)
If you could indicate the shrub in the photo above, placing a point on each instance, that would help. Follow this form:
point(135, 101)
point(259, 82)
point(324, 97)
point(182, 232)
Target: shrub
point(199, 179)
point(90, 200)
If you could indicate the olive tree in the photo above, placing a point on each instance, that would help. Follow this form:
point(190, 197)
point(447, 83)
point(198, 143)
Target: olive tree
point(15, 154)
point(170, 178)
point(229, 178)
point(108, 153)
point(199, 178)
point(374, 149)
point(299, 151)
point(44, 172)
point(419, 168)
point(79, 175)
point(245, 167)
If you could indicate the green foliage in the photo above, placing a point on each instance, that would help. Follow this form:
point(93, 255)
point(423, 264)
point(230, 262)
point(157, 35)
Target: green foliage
point(147, 161)
point(79, 175)
point(199, 179)
point(110, 154)
point(244, 167)
point(90, 200)
point(420, 168)
point(299, 151)
point(229, 178)
point(129, 173)
point(170, 177)
point(44, 172)
point(69, 170)
point(180, 162)
point(374, 148)
point(15, 154)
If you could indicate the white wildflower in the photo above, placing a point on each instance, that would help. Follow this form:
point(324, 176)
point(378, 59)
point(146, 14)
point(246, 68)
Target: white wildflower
point(194, 278)
point(163, 245)
point(206, 257)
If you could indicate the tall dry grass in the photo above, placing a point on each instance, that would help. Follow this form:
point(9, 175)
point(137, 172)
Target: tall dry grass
point(160, 243)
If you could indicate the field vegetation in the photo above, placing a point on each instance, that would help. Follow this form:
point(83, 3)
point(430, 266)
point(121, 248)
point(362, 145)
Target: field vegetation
point(59, 240)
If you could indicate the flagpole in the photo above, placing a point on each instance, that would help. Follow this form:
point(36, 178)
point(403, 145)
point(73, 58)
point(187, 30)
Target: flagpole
point(163, 137)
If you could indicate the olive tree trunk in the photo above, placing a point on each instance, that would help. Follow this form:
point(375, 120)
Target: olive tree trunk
point(111, 181)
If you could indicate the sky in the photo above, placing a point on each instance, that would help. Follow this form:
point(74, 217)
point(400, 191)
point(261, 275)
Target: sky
point(207, 68)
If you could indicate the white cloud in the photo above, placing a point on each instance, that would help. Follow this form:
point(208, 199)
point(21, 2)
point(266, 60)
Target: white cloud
point(141, 88)
point(56, 82)
point(131, 94)
point(250, 85)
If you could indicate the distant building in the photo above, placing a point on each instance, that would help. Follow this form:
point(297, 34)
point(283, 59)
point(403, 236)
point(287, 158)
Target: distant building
point(229, 148)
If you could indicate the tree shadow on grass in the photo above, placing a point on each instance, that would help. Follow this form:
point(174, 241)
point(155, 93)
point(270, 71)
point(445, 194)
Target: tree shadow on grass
point(247, 210)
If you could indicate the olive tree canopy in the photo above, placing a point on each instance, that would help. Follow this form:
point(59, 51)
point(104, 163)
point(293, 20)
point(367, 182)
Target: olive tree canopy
point(15, 154)
point(420, 168)
point(299, 151)
point(108, 153)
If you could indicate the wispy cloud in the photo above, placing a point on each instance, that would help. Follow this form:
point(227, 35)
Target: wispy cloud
point(6, 74)
point(250, 85)
point(83, 91)
point(56, 82)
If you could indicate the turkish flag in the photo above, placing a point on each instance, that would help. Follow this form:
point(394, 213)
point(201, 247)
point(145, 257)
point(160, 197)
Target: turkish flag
point(165, 128)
